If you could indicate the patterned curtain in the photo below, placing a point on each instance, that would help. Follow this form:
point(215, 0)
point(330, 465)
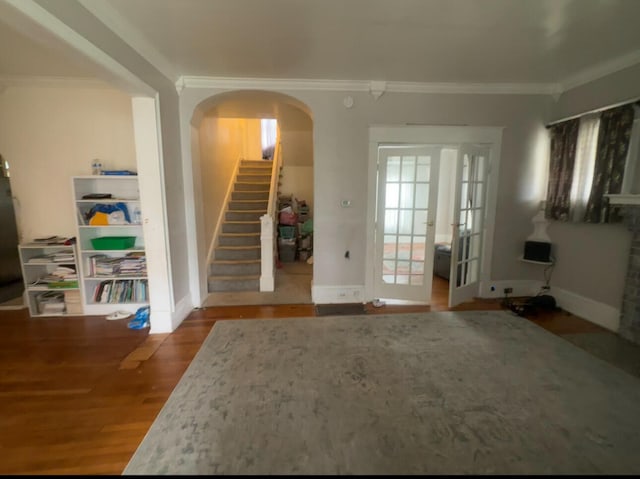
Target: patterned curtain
point(564, 137)
point(611, 155)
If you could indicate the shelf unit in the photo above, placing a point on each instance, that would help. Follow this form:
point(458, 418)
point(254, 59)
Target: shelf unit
point(127, 291)
point(37, 261)
point(545, 263)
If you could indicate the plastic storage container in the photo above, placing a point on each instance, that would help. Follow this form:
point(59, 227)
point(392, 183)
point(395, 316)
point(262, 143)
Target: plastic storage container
point(113, 242)
point(287, 232)
point(287, 250)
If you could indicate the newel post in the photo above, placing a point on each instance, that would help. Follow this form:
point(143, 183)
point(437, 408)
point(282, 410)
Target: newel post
point(267, 282)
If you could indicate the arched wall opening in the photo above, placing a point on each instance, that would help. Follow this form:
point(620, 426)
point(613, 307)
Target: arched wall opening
point(226, 127)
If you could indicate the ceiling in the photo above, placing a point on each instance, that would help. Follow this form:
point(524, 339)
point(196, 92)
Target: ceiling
point(457, 41)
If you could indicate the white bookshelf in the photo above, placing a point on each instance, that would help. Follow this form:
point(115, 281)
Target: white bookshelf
point(106, 291)
point(60, 298)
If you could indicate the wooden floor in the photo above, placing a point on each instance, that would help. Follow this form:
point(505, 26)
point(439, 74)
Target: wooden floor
point(78, 394)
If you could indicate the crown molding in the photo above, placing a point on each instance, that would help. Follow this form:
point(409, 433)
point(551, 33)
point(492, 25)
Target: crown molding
point(376, 88)
point(187, 81)
point(601, 70)
point(41, 81)
point(119, 25)
point(475, 88)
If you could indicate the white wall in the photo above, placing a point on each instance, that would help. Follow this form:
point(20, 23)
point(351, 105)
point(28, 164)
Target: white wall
point(50, 134)
point(446, 189)
point(340, 156)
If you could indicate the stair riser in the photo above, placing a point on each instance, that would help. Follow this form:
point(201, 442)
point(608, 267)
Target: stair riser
point(236, 254)
point(248, 205)
point(234, 285)
point(266, 179)
point(234, 269)
point(241, 227)
point(248, 240)
point(250, 195)
point(251, 186)
point(244, 170)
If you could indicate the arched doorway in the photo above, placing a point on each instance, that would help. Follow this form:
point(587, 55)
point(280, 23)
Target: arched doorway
point(231, 192)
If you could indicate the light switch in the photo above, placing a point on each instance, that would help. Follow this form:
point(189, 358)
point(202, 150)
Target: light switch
point(345, 203)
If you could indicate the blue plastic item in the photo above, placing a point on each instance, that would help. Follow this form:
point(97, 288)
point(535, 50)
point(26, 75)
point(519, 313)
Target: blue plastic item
point(141, 319)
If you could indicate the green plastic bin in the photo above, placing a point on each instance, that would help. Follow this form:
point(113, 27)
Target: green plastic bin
point(113, 242)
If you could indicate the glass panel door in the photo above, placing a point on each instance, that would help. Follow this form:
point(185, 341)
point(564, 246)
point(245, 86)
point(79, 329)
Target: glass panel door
point(468, 232)
point(405, 232)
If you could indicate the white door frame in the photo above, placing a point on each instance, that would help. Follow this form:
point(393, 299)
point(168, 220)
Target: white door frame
point(434, 135)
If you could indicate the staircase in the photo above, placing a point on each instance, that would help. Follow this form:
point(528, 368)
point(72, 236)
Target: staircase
point(236, 258)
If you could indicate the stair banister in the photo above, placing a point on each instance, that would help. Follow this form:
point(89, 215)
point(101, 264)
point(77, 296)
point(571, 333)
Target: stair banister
point(267, 226)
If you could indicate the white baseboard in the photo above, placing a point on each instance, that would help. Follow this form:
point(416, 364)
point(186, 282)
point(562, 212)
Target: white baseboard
point(337, 294)
point(598, 313)
point(520, 287)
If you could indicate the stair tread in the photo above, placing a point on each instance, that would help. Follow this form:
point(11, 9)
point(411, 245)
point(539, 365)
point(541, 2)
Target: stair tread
point(242, 222)
point(246, 211)
point(231, 278)
point(253, 233)
point(235, 261)
point(251, 246)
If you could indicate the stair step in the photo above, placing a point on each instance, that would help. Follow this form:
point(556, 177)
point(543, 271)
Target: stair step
point(251, 205)
point(244, 215)
point(236, 252)
point(255, 170)
point(254, 178)
point(234, 283)
point(241, 227)
point(251, 186)
point(235, 267)
point(250, 195)
point(255, 163)
point(239, 239)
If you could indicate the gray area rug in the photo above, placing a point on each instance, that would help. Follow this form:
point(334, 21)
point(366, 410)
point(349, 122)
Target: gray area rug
point(424, 393)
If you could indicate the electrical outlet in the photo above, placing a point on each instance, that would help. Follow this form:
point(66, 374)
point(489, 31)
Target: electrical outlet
point(508, 290)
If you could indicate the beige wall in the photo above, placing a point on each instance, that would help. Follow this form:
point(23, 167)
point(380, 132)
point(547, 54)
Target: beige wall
point(49, 134)
point(221, 144)
point(298, 181)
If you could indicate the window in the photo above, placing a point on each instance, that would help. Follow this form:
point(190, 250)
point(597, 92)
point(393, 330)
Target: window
point(591, 157)
point(269, 134)
point(583, 166)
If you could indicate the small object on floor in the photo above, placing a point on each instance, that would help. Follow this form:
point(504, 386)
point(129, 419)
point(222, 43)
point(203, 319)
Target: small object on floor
point(377, 303)
point(533, 305)
point(118, 315)
point(310, 260)
point(141, 319)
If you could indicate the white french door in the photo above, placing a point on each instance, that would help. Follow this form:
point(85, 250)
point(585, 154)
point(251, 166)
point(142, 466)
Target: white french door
point(469, 223)
point(407, 193)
